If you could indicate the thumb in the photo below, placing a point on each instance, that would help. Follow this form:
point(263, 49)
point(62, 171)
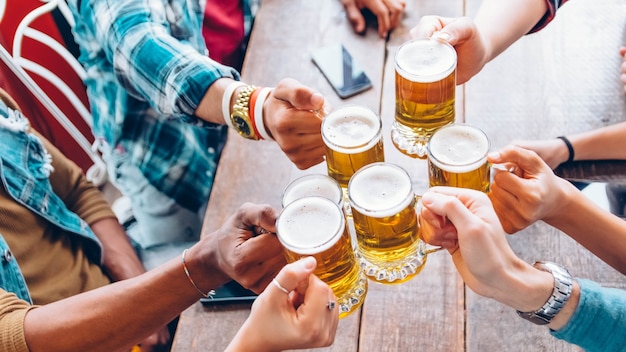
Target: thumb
point(455, 30)
point(293, 275)
point(298, 95)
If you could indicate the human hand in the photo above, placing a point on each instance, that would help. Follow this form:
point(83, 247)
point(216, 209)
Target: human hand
point(245, 248)
point(302, 316)
point(531, 192)
point(482, 255)
point(622, 52)
point(388, 13)
point(463, 34)
point(554, 152)
point(290, 116)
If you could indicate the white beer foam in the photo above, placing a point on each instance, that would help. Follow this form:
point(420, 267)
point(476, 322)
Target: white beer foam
point(313, 185)
point(351, 129)
point(426, 61)
point(310, 225)
point(380, 190)
point(458, 148)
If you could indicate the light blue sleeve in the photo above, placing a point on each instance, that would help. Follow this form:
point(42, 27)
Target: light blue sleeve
point(599, 321)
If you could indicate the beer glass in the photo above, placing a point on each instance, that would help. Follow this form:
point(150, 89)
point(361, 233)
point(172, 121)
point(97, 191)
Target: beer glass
point(315, 226)
point(385, 221)
point(457, 157)
point(425, 93)
point(318, 185)
point(313, 185)
point(353, 139)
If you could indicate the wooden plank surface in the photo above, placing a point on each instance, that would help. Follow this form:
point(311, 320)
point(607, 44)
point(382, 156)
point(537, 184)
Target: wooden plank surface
point(285, 33)
point(561, 80)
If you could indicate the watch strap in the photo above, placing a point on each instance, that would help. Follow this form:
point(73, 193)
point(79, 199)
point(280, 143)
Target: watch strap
point(560, 294)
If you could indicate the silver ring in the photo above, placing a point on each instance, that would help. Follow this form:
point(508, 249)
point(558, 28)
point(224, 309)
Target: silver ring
point(330, 305)
point(280, 287)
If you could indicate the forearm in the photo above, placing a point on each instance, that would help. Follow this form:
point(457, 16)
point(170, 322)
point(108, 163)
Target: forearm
point(601, 232)
point(210, 107)
point(501, 23)
point(121, 314)
point(120, 260)
point(602, 143)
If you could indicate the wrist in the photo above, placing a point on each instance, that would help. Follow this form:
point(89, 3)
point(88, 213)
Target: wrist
point(563, 194)
point(525, 288)
point(202, 270)
point(560, 295)
point(568, 152)
point(248, 339)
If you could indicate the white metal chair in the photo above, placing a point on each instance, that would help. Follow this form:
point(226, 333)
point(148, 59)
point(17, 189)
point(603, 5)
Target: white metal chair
point(26, 68)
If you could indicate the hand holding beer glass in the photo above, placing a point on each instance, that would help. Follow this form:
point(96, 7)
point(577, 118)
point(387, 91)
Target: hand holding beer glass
point(457, 157)
point(385, 220)
point(316, 226)
point(425, 93)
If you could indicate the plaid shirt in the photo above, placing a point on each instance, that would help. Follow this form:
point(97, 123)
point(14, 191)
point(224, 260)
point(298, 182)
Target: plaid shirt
point(553, 5)
point(147, 70)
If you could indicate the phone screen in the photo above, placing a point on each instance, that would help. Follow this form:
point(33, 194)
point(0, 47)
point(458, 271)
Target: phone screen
point(341, 70)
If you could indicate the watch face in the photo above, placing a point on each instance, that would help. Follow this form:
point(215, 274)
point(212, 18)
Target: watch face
point(242, 126)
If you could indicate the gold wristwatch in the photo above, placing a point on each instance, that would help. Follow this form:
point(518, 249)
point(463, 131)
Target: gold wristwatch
point(240, 115)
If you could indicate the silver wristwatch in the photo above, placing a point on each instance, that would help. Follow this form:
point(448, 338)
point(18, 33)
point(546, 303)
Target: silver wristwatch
point(560, 294)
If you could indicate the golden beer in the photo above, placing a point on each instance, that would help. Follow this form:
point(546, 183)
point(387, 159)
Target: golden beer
point(353, 139)
point(457, 157)
point(315, 226)
point(425, 93)
point(383, 209)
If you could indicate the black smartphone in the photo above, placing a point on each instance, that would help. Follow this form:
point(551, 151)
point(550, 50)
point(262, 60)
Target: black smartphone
point(341, 70)
point(231, 292)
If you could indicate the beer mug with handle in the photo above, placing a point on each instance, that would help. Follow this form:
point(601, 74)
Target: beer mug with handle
point(457, 157)
point(425, 93)
point(316, 226)
point(386, 224)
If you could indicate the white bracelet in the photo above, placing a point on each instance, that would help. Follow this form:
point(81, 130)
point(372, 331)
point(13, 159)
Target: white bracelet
point(228, 94)
point(258, 114)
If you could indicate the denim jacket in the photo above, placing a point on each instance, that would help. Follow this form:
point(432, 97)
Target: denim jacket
point(24, 169)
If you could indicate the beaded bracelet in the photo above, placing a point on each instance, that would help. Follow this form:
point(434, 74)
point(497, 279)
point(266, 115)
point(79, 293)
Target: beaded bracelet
point(205, 295)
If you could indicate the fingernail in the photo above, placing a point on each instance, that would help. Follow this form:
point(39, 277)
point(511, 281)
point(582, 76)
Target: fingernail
point(494, 155)
point(427, 199)
point(442, 36)
point(308, 262)
point(317, 97)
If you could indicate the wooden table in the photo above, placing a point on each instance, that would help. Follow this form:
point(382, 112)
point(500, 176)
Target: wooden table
point(559, 81)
